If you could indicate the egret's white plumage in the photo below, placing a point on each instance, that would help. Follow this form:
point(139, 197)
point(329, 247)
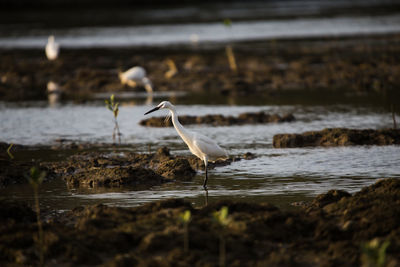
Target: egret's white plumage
point(136, 76)
point(52, 48)
point(203, 147)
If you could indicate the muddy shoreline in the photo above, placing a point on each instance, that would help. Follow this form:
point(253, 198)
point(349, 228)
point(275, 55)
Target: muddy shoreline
point(336, 228)
point(88, 167)
point(358, 65)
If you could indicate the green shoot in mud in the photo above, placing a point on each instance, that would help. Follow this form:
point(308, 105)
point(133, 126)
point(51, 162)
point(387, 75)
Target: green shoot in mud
point(229, 50)
point(374, 253)
point(35, 179)
point(9, 151)
point(185, 219)
point(222, 218)
point(114, 107)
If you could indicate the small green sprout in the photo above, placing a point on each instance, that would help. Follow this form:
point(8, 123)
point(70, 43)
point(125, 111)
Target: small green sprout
point(374, 253)
point(36, 178)
point(112, 105)
point(185, 218)
point(222, 218)
point(227, 22)
point(114, 108)
point(9, 151)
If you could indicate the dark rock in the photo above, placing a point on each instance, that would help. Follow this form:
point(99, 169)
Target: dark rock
point(338, 137)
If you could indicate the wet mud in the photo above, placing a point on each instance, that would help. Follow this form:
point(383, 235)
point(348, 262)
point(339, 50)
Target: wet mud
point(92, 169)
point(356, 65)
point(89, 167)
point(338, 137)
point(17, 171)
point(332, 230)
point(220, 120)
point(12, 172)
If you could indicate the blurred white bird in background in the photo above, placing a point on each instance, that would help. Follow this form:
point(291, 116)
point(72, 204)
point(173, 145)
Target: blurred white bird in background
point(203, 147)
point(53, 93)
point(194, 38)
point(52, 48)
point(136, 76)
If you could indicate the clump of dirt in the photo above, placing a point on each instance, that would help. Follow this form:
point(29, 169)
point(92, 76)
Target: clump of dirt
point(220, 120)
point(329, 232)
point(338, 137)
point(176, 168)
point(94, 169)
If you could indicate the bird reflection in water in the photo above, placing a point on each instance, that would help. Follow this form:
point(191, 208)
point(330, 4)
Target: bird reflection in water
point(53, 93)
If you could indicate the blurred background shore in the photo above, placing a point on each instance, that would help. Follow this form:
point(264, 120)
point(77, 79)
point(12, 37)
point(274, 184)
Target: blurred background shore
point(352, 46)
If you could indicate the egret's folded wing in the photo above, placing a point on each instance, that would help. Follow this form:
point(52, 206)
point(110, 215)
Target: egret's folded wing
point(209, 147)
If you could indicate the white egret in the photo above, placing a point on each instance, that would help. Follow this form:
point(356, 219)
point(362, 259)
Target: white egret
point(52, 48)
point(201, 146)
point(136, 76)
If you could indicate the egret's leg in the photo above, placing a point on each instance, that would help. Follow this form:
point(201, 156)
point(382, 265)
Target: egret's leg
point(206, 197)
point(206, 178)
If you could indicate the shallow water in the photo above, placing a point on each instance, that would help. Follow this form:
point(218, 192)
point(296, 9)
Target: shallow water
point(194, 33)
point(280, 176)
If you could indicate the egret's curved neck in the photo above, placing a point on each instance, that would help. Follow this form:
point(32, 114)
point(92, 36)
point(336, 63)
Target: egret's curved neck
point(183, 133)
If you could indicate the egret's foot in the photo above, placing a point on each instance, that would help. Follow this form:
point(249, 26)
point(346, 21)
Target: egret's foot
point(205, 187)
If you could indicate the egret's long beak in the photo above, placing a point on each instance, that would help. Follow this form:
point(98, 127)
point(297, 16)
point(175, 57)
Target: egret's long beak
point(150, 111)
